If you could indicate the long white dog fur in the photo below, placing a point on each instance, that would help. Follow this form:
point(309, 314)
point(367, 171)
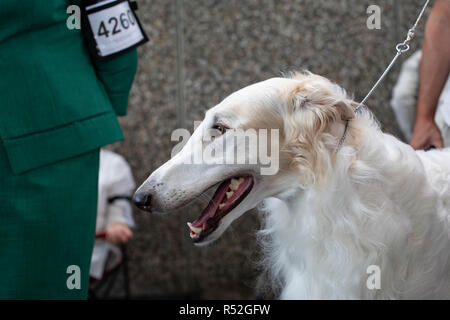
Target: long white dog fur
point(328, 216)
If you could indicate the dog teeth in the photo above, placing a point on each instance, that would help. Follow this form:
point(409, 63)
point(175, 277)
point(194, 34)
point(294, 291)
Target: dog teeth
point(221, 206)
point(230, 194)
point(234, 185)
point(195, 230)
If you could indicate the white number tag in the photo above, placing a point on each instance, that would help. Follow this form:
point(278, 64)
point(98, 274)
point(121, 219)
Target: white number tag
point(113, 27)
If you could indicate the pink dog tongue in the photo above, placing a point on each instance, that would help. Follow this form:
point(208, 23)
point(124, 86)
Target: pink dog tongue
point(213, 205)
point(226, 195)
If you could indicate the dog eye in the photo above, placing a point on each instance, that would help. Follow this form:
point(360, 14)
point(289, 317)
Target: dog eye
point(221, 128)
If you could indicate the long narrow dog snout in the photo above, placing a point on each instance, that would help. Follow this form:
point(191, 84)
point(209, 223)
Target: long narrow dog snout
point(143, 200)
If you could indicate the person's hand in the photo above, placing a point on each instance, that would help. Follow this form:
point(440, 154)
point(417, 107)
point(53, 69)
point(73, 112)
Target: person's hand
point(118, 233)
point(426, 134)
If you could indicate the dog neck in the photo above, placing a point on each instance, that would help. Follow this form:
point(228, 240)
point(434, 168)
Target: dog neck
point(319, 240)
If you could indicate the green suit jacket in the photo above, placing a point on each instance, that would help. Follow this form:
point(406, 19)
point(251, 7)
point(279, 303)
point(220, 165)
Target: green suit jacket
point(55, 101)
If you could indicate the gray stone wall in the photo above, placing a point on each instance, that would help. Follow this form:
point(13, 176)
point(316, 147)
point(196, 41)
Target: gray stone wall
point(199, 52)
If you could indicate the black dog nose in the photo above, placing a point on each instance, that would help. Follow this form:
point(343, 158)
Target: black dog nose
point(142, 200)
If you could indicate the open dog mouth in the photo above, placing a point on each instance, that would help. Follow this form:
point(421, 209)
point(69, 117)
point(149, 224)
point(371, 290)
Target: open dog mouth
point(228, 195)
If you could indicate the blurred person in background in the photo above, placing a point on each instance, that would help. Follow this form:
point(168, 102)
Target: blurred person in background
point(58, 106)
point(114, 212)
point(421, 97)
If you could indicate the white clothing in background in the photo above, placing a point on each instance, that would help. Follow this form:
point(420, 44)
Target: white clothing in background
point(115, 181)
point(404, 100)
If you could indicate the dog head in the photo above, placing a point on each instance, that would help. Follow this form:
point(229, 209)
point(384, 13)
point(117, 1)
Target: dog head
point(260, 141)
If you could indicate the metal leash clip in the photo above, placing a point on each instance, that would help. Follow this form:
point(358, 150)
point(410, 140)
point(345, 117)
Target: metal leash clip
point(401, 47)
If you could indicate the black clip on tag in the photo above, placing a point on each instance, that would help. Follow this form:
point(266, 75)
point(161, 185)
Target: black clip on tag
point(134, 5)
point(111, 27)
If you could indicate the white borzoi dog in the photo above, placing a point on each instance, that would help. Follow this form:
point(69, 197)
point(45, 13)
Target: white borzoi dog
point(329, 217)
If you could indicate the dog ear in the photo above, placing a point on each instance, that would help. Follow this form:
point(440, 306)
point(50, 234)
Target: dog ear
point(346, 108)
point(316, 111)
point(316, 103)
point(330, 100)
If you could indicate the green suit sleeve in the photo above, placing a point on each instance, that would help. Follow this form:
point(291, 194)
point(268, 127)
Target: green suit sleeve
point(117, 76)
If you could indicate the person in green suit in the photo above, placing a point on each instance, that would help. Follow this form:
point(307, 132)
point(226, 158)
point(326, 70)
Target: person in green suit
point(58, 106)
